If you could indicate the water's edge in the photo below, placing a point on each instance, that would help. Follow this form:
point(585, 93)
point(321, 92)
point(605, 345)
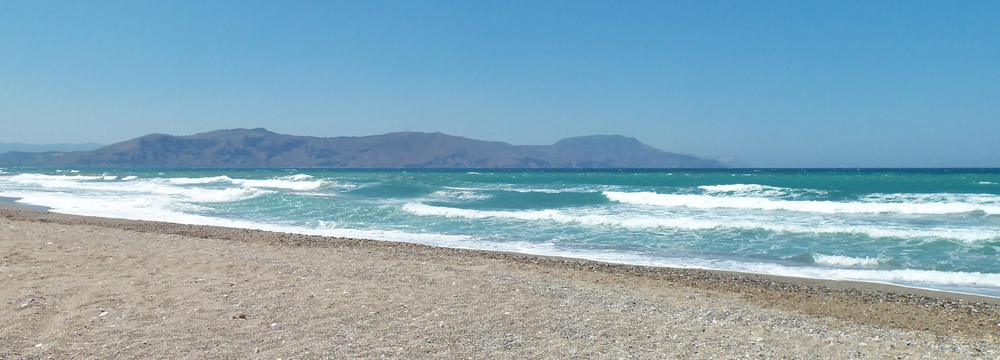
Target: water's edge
point(860, 288)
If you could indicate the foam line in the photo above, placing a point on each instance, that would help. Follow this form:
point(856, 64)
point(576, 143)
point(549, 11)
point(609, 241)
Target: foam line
point(701, 223)
point(824, 207)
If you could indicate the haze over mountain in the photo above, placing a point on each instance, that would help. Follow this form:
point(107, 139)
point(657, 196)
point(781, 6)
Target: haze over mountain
point(260, 148)
point(14, 146)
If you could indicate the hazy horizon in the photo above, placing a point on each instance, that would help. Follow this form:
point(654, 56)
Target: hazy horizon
point(772, 84)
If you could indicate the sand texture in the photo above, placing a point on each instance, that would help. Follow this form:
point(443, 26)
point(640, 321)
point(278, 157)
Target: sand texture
point(79, 287)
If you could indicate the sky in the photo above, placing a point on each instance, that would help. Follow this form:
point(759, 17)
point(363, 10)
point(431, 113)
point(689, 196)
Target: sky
point(767, 83)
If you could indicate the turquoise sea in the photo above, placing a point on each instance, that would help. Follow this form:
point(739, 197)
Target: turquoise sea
point(928, 228)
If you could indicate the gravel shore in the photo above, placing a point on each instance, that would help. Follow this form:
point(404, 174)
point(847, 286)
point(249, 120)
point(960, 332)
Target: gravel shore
point(83, 287)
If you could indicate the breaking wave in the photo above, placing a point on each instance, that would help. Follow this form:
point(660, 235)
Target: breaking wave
point(701, 223)
point(989, 204)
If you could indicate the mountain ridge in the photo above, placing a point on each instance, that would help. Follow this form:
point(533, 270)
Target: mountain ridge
point(261, 148)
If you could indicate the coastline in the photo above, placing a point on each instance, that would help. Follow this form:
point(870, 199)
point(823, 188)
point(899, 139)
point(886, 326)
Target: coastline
point(857, 308)
point(12, 202)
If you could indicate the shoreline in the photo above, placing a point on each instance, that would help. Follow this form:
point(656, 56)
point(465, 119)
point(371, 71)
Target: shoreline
point(790, 283)
point(616, 295)
point(9, 203)
point(12, 202)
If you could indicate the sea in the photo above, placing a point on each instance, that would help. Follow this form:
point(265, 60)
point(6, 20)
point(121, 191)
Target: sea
point(925, 228)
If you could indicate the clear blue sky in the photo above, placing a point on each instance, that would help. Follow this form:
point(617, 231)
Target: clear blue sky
point(772, 83)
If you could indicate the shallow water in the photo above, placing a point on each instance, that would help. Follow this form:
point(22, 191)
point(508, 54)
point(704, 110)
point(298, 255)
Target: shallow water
point(936, 229)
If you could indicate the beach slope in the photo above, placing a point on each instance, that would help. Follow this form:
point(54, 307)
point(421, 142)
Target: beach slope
point(80, 287)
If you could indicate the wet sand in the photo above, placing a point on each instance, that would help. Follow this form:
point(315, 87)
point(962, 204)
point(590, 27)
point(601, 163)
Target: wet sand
point(84, 287)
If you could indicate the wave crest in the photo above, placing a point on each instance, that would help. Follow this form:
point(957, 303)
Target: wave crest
point(825, 207)
point(299, 182)
point(848, 261)
point(701, 223)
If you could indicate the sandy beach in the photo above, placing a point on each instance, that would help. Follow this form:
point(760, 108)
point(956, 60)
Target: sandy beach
point(82, 287)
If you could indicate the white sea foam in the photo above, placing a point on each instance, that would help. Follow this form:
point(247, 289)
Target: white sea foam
point(422, 209)
point(41, 178)
point(342, 186)
point(163, 200)
point(87, 186)
point(978, 199)
point(297, 185)
point(902, 277)
point(53, 181)
point(987, 183)
point(461, 195)
point(161, 209)
point(739, 188)
point(543, 191)
point(202, 180)
point(296, 182)
point(297, 177)
point(512, 188)
point(192, 194)
point(825, 207)
point(110, 177)
point(909, 277)
point(463, 188)
point(556, 191)
point(757, 190)
point(906, 277)
point(640, 222)
point(155, 209)
point(746, 190)
point(848, 261)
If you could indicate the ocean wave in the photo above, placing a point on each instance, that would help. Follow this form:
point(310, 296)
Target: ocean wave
point(130, 177)
point(979, 199)
point(757, 190)
point(986, 282)
point(848, 261)
point(512, 188)
point(42, 179)
point(641, 222)
point(155, 187)
point(161, 207)
point(741, 188)
point(298, 182)
point(220, 195)
point(110, 177)
point(906, 277)
point(153, 209)
point(296, 185)
point(188, 194)
point(297, 177)
point(825, 207)
point(202, 180)
point(422, 209)
point(461, 195)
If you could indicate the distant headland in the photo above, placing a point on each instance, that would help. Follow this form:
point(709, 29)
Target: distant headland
point(260, 148)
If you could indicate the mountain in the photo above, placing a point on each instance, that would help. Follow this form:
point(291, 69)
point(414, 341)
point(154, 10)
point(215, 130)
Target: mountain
point(260, 148)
